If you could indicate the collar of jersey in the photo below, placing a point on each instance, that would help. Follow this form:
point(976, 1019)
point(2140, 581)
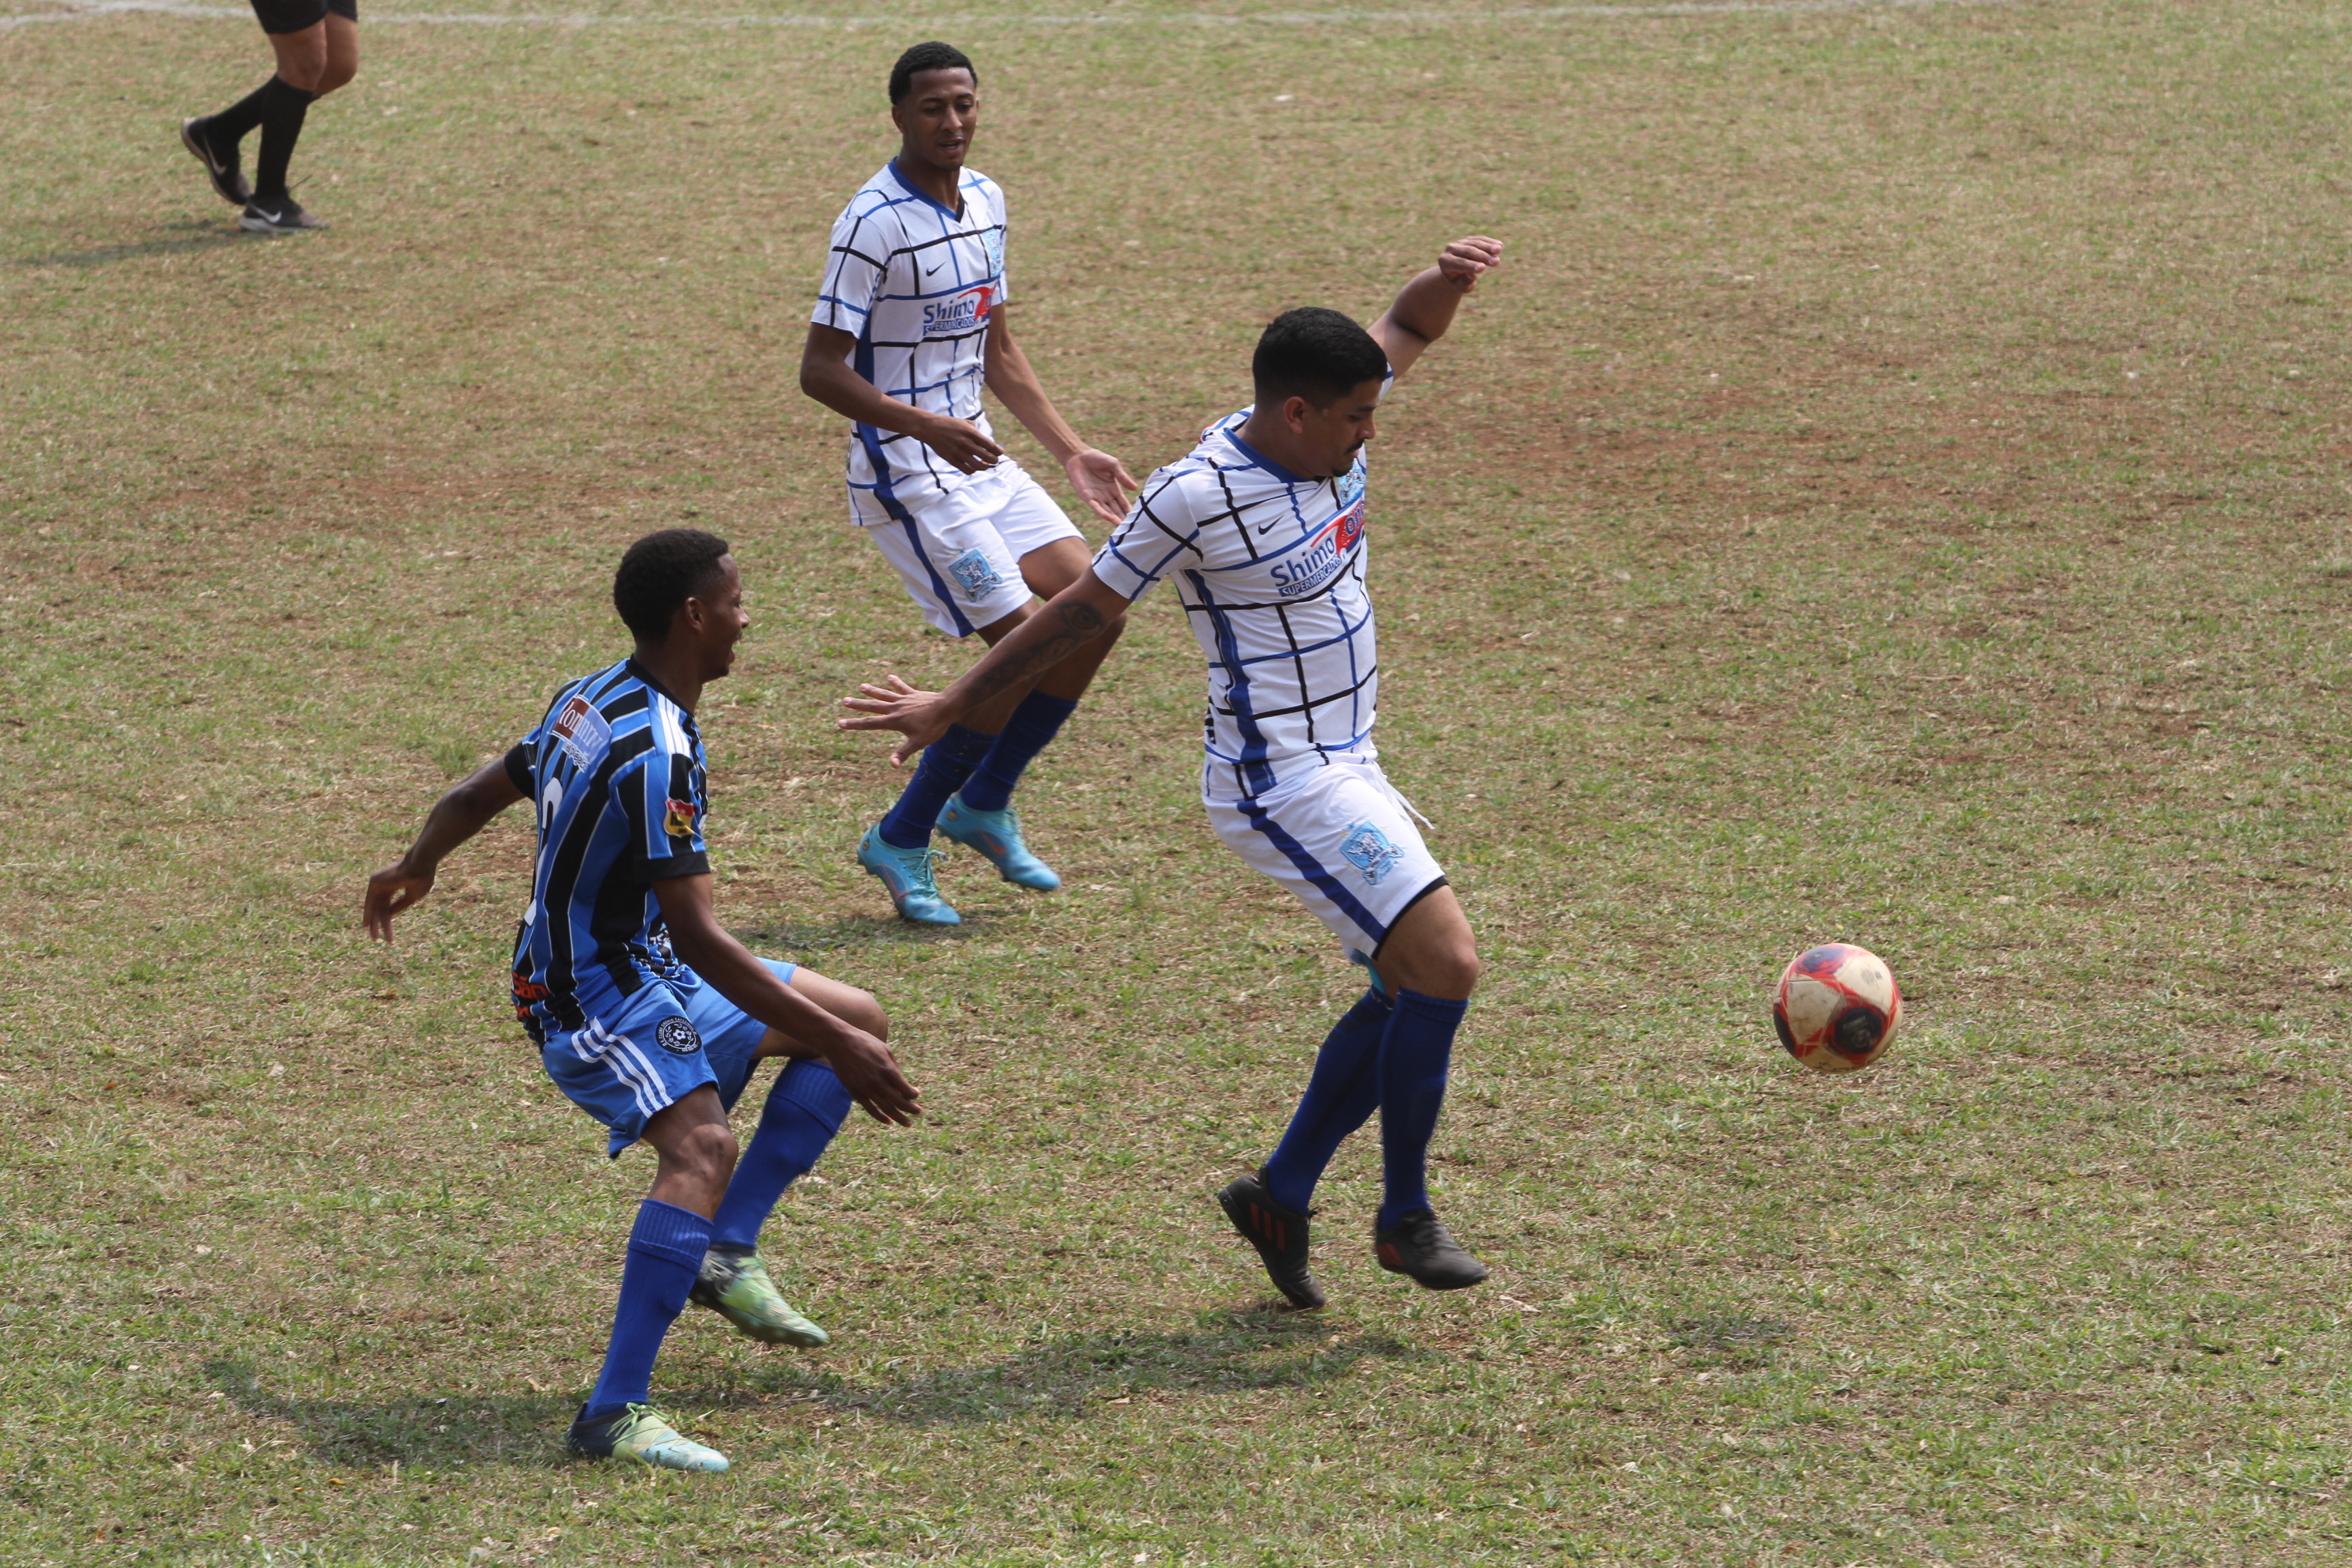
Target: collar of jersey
point(640, 672)
point(908, 187)
point(1263, 461)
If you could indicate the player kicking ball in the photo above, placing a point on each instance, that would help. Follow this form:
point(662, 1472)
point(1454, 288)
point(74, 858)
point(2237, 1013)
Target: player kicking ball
point(909, 325)
point(1262, 530)
point(646, 1013)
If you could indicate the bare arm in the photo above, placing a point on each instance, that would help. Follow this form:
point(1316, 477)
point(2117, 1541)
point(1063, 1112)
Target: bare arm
point(1101, 480)
point(863, 1063)
point(1077, 614)
point(1424, 308)
point(456, 816)
point(828, 376)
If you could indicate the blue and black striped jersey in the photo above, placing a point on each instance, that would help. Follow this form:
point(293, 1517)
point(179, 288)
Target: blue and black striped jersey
point(618, 778)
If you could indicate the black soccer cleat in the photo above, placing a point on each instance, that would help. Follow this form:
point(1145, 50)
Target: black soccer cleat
point(1278, 1233)
point(1419, 1247)
point(278, 214)
point(220, 168)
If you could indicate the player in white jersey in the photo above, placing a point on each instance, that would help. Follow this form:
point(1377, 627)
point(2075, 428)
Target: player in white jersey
point(908, 326)
point(1261, 528)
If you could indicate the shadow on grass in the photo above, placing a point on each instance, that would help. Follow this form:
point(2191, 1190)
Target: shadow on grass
point(191, 237)
point(425, 1433)
point(1071, 1375)
point(1063, 1377)
point(859, 930)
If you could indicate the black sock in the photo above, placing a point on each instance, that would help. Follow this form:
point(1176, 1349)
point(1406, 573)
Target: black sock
point(281, 125)
point(230, 125)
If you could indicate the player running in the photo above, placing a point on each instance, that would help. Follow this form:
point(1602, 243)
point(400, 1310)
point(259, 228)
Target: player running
point(1261, 528)
point(647, 1014)
point(317, 43)
point(909, 325)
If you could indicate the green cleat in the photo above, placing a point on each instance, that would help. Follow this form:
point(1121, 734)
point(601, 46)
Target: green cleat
point(639, 1433)
point(738, 1288)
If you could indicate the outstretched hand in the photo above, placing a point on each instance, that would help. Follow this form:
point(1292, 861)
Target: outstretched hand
point(1465, 261)
point(1102, 483)
point(909, 710)
point(390, 891)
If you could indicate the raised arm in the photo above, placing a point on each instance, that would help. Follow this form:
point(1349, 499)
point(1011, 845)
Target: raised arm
point(1100, 480)
point(456, 816)
point(865, 1065)
point(1077, 614)
point(828, 375)
point(1424, 308)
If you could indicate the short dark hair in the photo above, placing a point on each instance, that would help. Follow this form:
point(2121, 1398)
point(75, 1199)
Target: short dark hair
point(1313, 353)
point(932, 57)
point(661, 571)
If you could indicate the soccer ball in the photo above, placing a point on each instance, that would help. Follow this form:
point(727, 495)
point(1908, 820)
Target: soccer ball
point(1837, 1007)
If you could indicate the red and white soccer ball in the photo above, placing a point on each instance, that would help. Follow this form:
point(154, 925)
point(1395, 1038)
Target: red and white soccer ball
point(1837, 1007)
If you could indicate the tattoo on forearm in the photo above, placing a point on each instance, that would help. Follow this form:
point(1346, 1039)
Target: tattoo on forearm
point(1074, 624)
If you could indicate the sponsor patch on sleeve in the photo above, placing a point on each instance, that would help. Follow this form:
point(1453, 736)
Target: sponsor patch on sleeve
point(581, 731)
point(679, 821)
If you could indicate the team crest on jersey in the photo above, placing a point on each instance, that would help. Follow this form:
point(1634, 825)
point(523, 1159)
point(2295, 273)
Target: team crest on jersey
point(581, 731)
point(975, 576)
point(993, 243)
point(677, 1036)
point(1367, 849)
point(678, 820)
point(959, 313)
point(1350, 485)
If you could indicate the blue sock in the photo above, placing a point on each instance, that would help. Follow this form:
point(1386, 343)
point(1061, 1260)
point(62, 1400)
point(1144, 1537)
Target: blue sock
point(1414, 1057)
point(1340, 1097)
point(946, 763)
point(804, 1109)
point(665, 1249)
point(1032, 726)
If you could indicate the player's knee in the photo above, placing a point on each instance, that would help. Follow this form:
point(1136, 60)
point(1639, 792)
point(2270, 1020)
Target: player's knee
point(866, 1014)
point(1451, 973)
point(337, 73)
point(707, 1152)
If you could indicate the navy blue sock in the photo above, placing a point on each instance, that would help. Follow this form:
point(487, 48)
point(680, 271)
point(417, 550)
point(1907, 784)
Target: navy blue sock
point(804, 1109)
point(946, 763)
point(1031, 729)
point(1413, 1056)
point(665, 1249)
point(1340, 1097)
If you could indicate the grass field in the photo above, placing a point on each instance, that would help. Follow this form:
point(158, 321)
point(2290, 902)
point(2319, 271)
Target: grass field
point(1893, 492)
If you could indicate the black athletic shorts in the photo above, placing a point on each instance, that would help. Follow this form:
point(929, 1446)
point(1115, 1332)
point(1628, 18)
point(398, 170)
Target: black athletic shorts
point(293, 15)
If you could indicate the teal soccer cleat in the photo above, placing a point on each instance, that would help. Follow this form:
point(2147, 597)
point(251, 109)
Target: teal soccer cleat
point(996, 836)
point(908, 874)
point(739, 1290)
point(639, 1433)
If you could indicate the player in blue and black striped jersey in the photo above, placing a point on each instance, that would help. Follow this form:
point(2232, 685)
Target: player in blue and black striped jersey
point(647, 1014)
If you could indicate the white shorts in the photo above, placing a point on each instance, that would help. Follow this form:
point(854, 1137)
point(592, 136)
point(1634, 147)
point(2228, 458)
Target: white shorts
point(1342, 840)
point(960, 553)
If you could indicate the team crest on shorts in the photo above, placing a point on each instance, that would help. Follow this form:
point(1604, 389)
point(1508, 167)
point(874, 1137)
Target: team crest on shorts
point(974, 575)
point(677, 1036)
point(1367, 849)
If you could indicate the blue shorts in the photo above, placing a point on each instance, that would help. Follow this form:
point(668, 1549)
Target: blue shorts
point(652, 1050)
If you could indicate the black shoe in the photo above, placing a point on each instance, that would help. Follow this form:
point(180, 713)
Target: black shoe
point(1278, 1233)
point(1419, 1245)
point(279, 215)
point(195, 135)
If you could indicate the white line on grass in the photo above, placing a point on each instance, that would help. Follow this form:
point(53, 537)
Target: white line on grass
point(94, 10)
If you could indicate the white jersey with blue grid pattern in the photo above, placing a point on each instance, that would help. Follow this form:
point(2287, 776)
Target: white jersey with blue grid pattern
point(1270, 567)
point(915, 284)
